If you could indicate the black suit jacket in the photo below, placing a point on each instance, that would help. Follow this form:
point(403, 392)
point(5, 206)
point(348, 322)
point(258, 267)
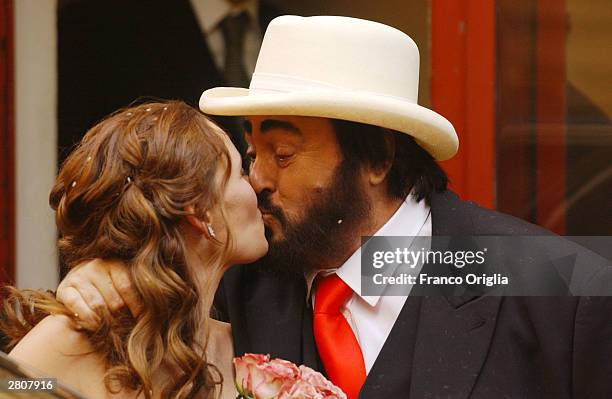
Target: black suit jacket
point(113, 52)
point(477, 347)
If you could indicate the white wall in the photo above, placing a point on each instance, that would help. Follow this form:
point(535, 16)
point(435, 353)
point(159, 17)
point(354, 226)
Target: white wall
point(36, 141)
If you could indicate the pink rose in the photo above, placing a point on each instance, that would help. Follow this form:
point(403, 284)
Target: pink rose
point(301, 390)
point(259, 378)
point(321, 384)
point(241, 365)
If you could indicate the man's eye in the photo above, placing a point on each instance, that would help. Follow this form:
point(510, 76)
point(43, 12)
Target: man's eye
point(283, 157)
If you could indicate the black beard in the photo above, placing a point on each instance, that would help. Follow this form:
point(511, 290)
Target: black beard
point(320, 238)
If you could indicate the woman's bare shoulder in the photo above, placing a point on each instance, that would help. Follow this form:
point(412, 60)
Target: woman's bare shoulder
point(55, 348)
point(55, 335)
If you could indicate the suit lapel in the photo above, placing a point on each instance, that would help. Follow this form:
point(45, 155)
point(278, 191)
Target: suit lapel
point(387, 378)
point(451, 346)
point(454, 331)
point(194, 34)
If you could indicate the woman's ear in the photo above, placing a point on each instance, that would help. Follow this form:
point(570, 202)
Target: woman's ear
point(201, 224)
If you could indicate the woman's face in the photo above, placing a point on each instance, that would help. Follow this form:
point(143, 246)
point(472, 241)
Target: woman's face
point(242, 215)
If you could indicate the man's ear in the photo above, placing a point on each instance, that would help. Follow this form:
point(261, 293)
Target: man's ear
point(200, 223)
point(377, 174)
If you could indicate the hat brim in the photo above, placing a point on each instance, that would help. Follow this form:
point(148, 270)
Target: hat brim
point(431, 130)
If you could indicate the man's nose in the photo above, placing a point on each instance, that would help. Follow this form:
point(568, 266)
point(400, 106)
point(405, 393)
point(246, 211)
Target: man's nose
point(262, 176)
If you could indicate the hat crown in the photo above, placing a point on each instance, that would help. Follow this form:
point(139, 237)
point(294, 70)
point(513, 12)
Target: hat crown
point(340, 68)
point(338, 53)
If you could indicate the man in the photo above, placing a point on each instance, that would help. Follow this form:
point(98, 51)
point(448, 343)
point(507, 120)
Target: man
point(340, 150)
point(124, 50)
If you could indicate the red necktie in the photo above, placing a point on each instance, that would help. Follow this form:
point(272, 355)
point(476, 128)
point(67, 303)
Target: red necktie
point(336, 343)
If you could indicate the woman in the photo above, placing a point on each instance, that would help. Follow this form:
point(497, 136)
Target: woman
point(160, 188)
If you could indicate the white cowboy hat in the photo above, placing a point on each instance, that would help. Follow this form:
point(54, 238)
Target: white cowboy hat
point(342, 68)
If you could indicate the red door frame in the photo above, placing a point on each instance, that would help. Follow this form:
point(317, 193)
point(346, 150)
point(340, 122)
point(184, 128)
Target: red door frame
point(7, 144)
point(463, 90)
point(551, 114)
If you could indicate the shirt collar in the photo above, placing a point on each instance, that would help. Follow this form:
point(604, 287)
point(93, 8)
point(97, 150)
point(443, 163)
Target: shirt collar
point(407, 221)
point(213, 11)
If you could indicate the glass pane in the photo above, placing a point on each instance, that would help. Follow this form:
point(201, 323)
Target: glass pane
point(554, 135)
point(589, 111)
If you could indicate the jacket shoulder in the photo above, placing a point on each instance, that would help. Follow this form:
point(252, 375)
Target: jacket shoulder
point(453, 216)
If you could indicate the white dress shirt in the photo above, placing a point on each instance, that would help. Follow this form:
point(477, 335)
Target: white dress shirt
point(373, 317)
point(210, 13)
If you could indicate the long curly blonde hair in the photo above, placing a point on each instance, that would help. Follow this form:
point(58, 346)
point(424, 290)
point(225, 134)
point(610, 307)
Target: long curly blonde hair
point(122, 194)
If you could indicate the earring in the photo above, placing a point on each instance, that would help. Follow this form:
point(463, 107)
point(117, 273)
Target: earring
point(210, 230)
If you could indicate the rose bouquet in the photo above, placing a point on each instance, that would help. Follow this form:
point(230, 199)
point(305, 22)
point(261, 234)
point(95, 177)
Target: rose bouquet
point(258, 377)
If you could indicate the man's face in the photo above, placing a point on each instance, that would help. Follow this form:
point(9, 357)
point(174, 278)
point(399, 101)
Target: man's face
point(292, 162)
point(310, 198)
